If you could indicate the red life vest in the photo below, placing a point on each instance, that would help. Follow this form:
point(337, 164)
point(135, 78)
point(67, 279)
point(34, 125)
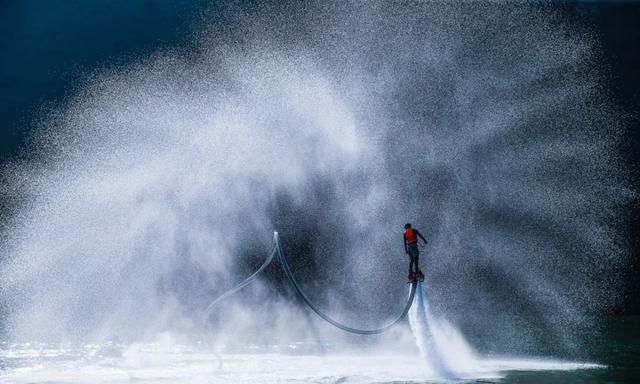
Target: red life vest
point(410, 236)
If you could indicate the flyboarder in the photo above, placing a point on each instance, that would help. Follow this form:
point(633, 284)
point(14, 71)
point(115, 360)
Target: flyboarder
point(411, 248)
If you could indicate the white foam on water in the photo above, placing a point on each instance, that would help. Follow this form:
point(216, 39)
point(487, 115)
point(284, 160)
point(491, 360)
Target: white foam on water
point(158, 363)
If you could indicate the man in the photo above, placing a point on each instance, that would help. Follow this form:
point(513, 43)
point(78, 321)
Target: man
point(411, 248)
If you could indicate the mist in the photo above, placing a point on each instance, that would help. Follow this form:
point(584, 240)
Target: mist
point(157, 185)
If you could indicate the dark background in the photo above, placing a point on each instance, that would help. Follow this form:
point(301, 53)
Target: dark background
point(47, 47)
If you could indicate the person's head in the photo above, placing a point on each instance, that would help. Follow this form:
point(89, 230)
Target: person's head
point(407, 226)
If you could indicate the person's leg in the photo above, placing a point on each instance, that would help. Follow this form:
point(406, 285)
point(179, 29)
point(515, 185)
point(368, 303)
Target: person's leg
point(414, 253)
point(411, 261)
point(416, 263)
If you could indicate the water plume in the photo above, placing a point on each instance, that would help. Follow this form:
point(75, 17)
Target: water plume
point(157, 185)
point(445, 352)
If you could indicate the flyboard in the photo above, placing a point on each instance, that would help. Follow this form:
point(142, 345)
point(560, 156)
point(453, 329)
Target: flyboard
point(277, 252)
point(416, 276)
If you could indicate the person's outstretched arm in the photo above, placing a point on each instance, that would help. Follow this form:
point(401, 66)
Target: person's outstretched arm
point(422, 237)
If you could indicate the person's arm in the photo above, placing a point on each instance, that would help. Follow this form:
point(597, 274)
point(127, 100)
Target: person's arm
point(422, 237)
point(404, 242)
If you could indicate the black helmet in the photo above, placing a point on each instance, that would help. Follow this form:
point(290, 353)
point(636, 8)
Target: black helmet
point(407, 226)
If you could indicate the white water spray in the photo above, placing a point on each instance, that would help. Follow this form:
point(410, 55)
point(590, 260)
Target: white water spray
point(153, 189)
point(442, 347)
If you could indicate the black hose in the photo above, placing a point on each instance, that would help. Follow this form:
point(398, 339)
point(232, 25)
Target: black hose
point(277, 250)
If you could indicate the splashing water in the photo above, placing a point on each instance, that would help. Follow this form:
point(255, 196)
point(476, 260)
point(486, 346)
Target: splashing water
point(154, 188)
point(448, 355)
point(161, 363)
point(447, 351)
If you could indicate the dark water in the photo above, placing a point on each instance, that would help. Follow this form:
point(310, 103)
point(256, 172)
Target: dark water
point(618, 347)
